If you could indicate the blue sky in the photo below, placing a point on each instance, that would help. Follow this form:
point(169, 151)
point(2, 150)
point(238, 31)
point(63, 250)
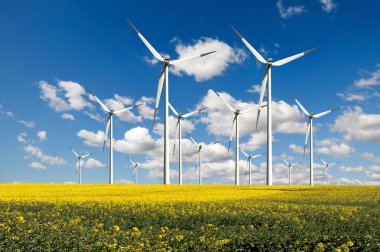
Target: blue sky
point(52, 50)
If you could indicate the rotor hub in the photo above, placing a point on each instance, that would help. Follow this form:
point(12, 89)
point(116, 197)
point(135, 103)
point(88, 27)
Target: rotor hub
point(269, 62)
point(166, 59)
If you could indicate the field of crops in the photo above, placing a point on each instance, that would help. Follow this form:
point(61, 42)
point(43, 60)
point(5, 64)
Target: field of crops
point(188, 218)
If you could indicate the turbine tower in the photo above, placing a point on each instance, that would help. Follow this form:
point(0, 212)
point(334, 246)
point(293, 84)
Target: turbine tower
point(178, 135)
point(79, 158)
point(164, 75)
point(249, 158)
point(290, 165)
point(199, 158)
point(268, 78)
point(235, 128)
point(135, 165)
point(109, 126)
point(310, 131)
point(327, 165)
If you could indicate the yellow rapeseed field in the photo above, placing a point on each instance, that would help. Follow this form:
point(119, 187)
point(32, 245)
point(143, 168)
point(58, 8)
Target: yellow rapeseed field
point(43, 217)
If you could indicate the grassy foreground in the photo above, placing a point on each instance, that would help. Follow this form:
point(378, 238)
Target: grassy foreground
point(188, 218)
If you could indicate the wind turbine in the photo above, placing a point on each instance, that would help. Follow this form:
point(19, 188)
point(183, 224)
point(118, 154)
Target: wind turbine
point(235, 129)
point(79, 158)
point(268, 78)
point(135, 165)
point(199, 158)
point(178, 135)
point(310, 131)
point(290, 165)
point(109, 126)
point(249, 158)
point(327, 165)
point(164, 75)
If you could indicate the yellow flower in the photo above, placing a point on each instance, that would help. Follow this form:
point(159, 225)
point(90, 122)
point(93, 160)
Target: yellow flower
point(116, 229)
point(15, 238)
point(179, 238)
point(20, 219)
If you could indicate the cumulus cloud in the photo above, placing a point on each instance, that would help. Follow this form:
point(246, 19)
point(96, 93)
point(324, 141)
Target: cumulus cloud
point(287, 12)
point(91, 138)
point(92, 163)
point(348, 169)
point(51, 160)
point(119, 102)
point(42, 135)
point(49, 93)
point(28, 124)
point(327, 5)
point(334, 147)
point(298, 149)
point(37, 166)
point(351, 96)
point(356, 125)
point(68, 116)
point(211, 65)
point(93, 116)
point(254, 89)
point(369, 79)
point(74, 93)
point(136, 140)
point(22, 137)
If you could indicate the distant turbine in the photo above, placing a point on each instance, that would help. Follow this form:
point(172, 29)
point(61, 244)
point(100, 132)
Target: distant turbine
point(199, 158)
point(267, 78)
point(327, 165)
point(164, 75)
point(290, 168)
point(79, 158)
point(249, 158)
point(178, 135)
point(310, 130)
point(235, 129)
point(135, 165)
point(109, 126)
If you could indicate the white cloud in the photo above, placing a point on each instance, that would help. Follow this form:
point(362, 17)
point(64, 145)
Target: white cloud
point(67, 116)
point(145, 110)
point(287, 12)
point(211, 65)
point(28, 124)
point(370, 157)
point(49, 93)
point(369, 79)
point(327, 5)
point(120, 102)
point(51, 160)
point(123, 181)
point(42, 135)
point(298, 149)
point(357, 125)
point(74, 92)
point(22, 137)
point(334, 147)
point(254, 89)
point(91, 138)
point(95, 117)
point(92, 163)
point(37, 166)
point(256, 140)
point(348, 169)
point(136, 140)
point(351, 96)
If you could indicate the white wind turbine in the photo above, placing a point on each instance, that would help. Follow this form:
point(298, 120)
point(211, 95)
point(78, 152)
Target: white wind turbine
point(290, 165)
point(249, 158)
point(135, 165)
point(178, 135)
point(327, 165)
point(199, 158)
point(79, 158)
point(235, 128)
point(109, 126)
point(166, 61)
point(268, 78)
point(310, 131)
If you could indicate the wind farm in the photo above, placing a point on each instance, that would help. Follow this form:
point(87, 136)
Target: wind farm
point(219, 158)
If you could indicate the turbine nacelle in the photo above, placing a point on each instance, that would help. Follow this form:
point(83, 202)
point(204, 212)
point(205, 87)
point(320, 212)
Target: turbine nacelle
point(269, 62)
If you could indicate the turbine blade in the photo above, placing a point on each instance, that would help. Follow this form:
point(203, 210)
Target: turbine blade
point(286, 162)
point(307, 136)
point(173, 110)
point(179, 61)
point(150, 47)
point(104, 107)
point(192, 113)
point(212, 143)
point(256, 156)
point(192, 139)
point(262, 91)
point(120, 111)
point(232, 133)
point(252, 109)
point(291, 58)
point(245, 154)
point(176, 134)
point(300, 105)
point(75, 153)
point(323, 161)
point(334, 163)
point(229, 107)
point(325, 113)
point(159, 90)
point(106, 132)
point(257, 55)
